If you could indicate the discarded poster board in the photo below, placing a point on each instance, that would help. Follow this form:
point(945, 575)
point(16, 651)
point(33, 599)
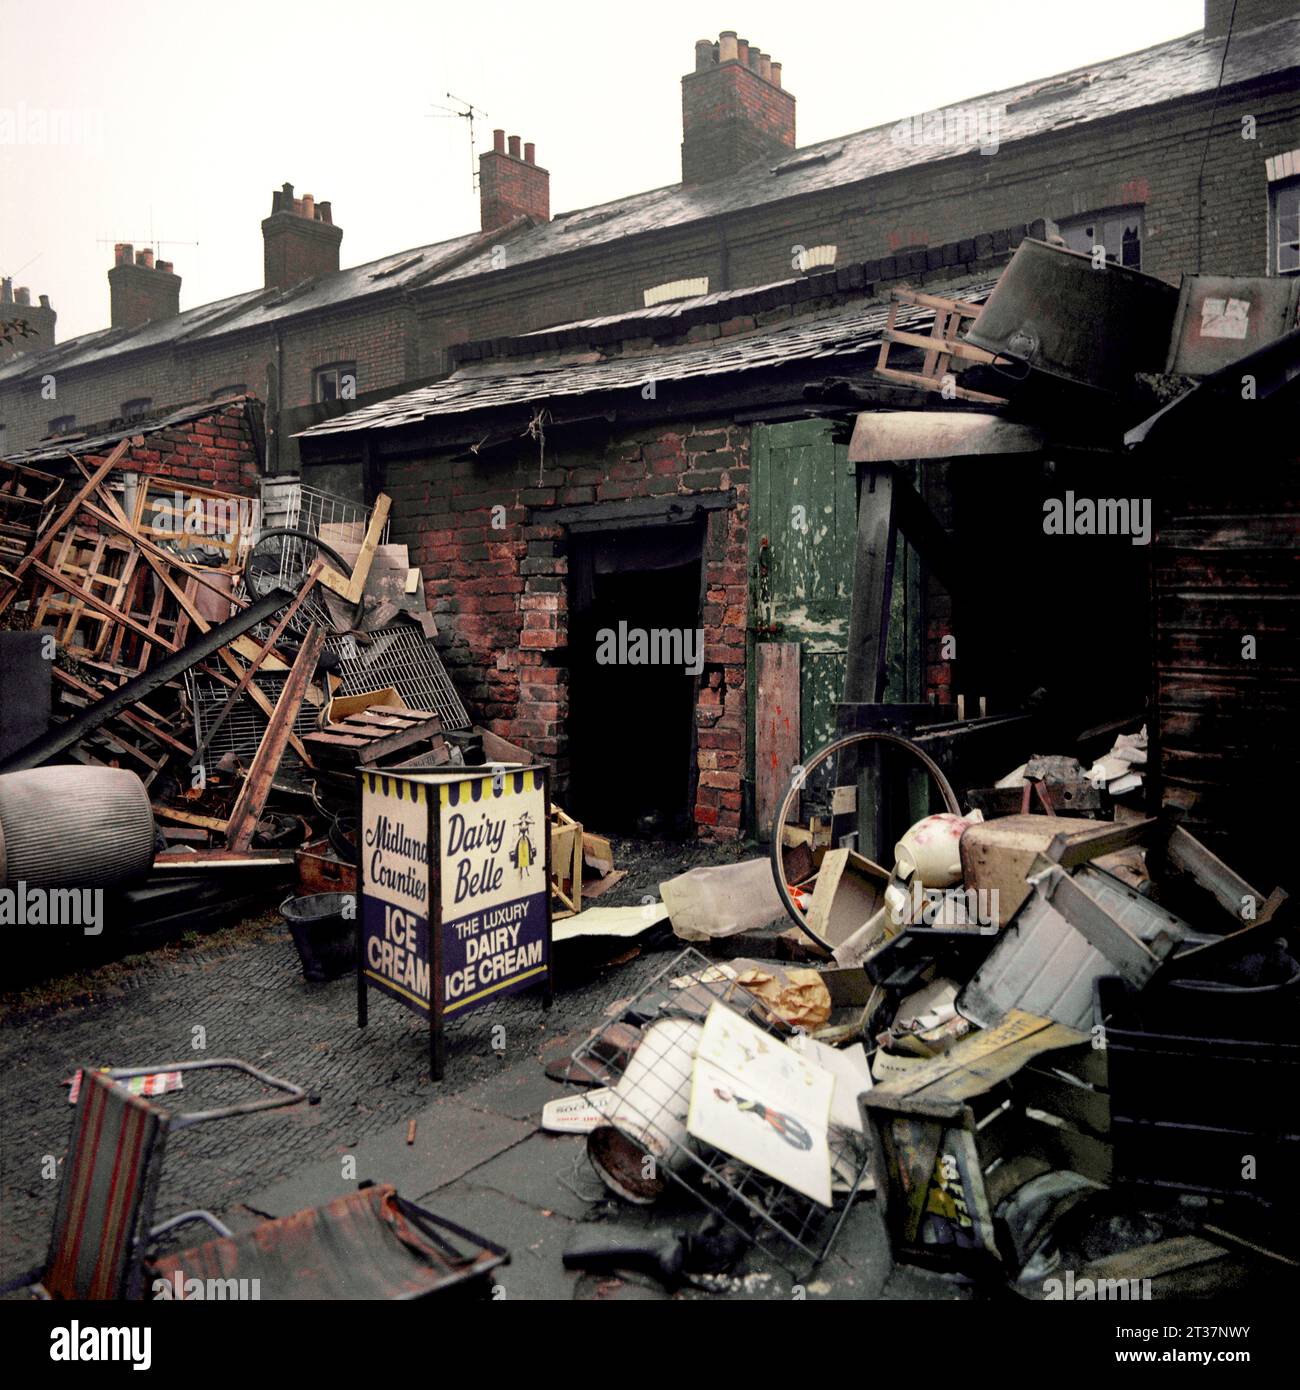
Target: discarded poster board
point(455, 901)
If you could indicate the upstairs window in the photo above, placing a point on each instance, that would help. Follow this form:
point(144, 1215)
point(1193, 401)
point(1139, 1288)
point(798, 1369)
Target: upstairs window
point(1118, 232)
point(336, 382)
point(1284, 201)
point(63, 424)
point(134, 410)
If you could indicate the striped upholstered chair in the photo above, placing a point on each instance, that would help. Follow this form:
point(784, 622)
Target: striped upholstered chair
point(102, 1226)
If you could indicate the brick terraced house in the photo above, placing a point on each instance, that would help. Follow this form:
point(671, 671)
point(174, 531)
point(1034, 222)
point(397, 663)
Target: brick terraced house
point(1115, 153)
point(612, 417)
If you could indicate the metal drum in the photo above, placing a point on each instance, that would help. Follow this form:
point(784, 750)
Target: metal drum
point(1096, 327)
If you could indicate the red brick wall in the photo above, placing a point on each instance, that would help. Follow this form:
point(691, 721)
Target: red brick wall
point(508, 187)
point(214, 451)
point(501, 593)
point(731, 116)
point(1151, 157)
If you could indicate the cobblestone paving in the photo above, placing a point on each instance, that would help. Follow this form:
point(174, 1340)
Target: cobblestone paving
point(253, 1004)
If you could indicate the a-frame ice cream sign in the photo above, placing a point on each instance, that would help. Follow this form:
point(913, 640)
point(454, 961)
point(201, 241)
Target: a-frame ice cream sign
point(455, 890)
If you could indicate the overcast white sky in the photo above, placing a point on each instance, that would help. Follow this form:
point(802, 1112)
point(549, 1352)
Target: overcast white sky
point(188, 114)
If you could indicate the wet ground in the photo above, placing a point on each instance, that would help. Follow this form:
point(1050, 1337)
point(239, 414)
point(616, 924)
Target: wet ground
point(478, 1155)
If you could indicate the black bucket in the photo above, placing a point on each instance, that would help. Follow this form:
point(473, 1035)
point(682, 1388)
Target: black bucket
point(324, 927)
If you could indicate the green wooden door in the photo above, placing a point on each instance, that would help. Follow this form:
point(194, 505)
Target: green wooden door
point(802, 534)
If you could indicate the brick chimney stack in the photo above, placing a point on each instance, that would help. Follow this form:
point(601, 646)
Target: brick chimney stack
point(734, 109)
point(299, 239)
point(510, 184)
point(40, 319)
point(140, 291)
point(1251, 14)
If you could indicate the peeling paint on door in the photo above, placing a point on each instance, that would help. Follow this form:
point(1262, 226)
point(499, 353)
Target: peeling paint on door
point(802, 534)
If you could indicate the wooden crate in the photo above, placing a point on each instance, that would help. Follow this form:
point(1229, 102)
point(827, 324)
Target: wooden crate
point(566, 863)
point(954, 1137)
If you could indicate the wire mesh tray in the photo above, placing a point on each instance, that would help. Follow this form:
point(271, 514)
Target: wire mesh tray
point(649, 1117)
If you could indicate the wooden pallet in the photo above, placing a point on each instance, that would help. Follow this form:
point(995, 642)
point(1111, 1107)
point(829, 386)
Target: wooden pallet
point(26, 496)
point(373, 736)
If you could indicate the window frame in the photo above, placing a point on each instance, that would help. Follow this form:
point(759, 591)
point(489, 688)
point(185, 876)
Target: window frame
point(1099, 217)
point(68, 423)
point(336, 370)
point(1288, 187)
point(144, 404)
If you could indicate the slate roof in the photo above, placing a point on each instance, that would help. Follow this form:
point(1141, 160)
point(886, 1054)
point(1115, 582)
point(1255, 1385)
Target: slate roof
point(253, 309)
point(842, 334)
point(1178, 68)
point(63, 445)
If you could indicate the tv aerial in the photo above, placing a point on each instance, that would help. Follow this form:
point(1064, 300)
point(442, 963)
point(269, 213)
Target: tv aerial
point(465, 111)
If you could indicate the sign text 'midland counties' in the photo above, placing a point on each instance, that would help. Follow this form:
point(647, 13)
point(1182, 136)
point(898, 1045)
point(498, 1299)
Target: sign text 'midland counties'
point(395, 952)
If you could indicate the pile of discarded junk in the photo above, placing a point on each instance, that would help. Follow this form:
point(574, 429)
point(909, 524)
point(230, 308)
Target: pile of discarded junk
point(1061, 1051)
point(208, 679)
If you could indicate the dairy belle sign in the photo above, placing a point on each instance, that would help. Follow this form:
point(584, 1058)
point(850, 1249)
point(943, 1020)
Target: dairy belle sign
point(455, 899)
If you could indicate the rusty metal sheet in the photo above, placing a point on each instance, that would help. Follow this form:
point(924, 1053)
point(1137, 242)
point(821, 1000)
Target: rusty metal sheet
point(1222, 318)
point(1053, 310)
point(891, 436)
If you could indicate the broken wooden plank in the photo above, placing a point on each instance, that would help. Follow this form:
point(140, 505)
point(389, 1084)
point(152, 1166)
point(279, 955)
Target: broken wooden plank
point(257, 785)
point(65, 736)
point(259, 656)
point(192, 818)
point(351, 590)
point(777, 729)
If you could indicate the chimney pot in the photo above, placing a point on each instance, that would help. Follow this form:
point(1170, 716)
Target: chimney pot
point(507, 191)
point(704, 54)
point(298, 247)
point(138, 294)
point(6, 291)
point(45, 301)
point(23, 297)
point(727, 122)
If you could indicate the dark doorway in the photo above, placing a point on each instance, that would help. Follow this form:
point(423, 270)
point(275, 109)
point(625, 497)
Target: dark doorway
point(631, 730)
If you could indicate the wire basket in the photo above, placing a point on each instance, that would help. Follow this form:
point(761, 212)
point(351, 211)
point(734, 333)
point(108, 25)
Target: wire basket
point(790, 1227)
point(329, 518)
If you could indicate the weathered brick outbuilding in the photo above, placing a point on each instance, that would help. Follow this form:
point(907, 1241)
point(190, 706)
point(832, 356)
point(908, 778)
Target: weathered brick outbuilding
point(1146, 153)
